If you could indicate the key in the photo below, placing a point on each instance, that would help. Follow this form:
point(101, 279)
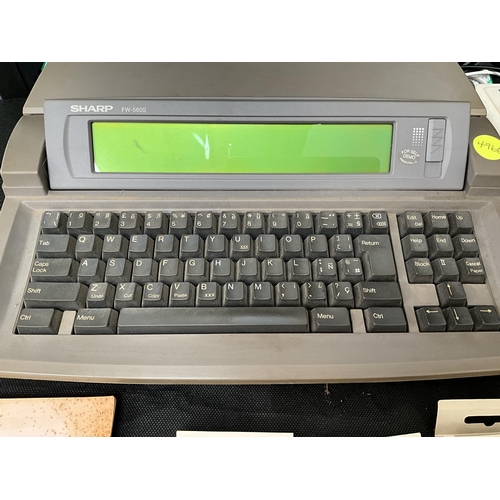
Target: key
point(240, 246)
point(485, 318)
point(63, 296)
point(273, 270)
point(55, 246)
point(115, 246)
point(248, 270)
point(181, 223)
point(327, 223)
point(351, 223)
point(140, 247)
point(105, 223)
point(376, 223)
point(460, 223)
point(54, 223)
point(465, 245)
point(155, 295)
point(330, 320)
point(222, 271)
point(39, 321)
point(155, 223)
point(261, 294)
point(458, 319)
point(79, 223)
point(385, 319)
point(166, 247)
point(229, 224)
point(253, 224)
point(341, 246)
point(410, 223)
point(291, 246)
point(127, 295)
point(451, 294)
point(130, 223)
point(191, 247)
point(144, 271)
point(287, 294)
point(213, 320)
point(350, 270)
point(340, 294)
point(316, 246)
point(436, 223)
point(182, 295)
point(445, 270)
point(208, 295)
point(196, 271)
point(100, 295)
point(414, 246)
point(299, 270)
point(314, 294)
point(54, 270)
point(440, 245)
point(369, 294)
point(430, 319)
point(216, 247)
point(91, 271)
point(278, 224)
point(95, 322)
point(302, 223)
point(205, 223)
point(118, 271)
point(419, 271)
point(324, 270)
point(471, 270)
point(171, 271)
point(266, 246)
point(375, 251)
point(88, 246)
point(234, 294)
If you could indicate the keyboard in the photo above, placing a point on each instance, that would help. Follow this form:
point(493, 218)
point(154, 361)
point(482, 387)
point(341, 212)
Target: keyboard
point(230, 272)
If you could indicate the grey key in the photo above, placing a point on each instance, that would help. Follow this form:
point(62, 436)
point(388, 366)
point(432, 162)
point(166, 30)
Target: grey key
point(327, 223)
point(95, 322)
point(375, 252)
point(330, 320)
point(458, 319)
point(419, 271)
point(144, 271)
point(105, 223)
point(54, 223)
point(171, 271)
point(299, 270)
point(385, 319)
point(196, 271)
point(341, 246)
point(324, 270)
point(261, 294)
point(287, 294)
point(166, 247)
point(205, 223)
point(430, 319)
point(115, 246)
point(56, 246)
point(253, 224)
point(88, 246)
point(130, 223)
point(266, 246)
point(445, 270)
point(39, 321)
point(376, 223)
point(222, 271)
point(155, 223)
point(248, 270)
point(140, 247)
point(340, 294)
point(91, 271)
point(372, 293)
point(181, 223)
point(273, 270)
point(465, 245)
point(208, 295)
point(63, 296)
point(410, 223)
point(278, 224)
point(486, 319)
point(314, 294)
point(229, 224)
point(234, 294)
point(216, 247)
point(118, 271)
point(316, 247)
point(213, 320)
point(155, 295)
point(302, 223)
point(415, 246)
point(182, 295)
point(191, 247)
point(79, 223)
point(351, 223)
point(291, 246)
point(451, 294)
point(240, 246)
point(440, 245)
point(436, 223)
point(54, 270)
point(471, 270)
point(460, 223)
point(350, 270)
point(100, 295)
point(127, 295)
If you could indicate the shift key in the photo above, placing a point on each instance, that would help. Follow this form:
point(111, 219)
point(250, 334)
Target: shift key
point(375, 252)
point(62, 296)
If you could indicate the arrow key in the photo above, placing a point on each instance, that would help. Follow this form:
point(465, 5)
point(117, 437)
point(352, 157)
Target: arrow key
point(451, 294)
point(485, 318)
point(431, 319)
point(458, 319)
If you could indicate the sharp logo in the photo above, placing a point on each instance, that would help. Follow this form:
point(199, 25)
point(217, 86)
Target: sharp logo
point(78, 108)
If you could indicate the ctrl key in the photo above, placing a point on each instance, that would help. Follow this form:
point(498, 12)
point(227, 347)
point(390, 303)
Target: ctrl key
point(39, 321)
point(385, 319)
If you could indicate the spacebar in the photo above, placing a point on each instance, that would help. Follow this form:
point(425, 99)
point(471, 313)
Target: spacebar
point(213, 320)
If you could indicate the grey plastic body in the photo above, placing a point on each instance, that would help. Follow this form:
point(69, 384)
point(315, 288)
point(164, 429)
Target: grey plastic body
point(69, 141)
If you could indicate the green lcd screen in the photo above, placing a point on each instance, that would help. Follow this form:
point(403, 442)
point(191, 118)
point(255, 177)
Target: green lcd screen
point(241, 148)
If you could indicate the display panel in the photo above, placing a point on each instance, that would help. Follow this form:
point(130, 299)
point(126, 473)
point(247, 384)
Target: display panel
point(241, 148)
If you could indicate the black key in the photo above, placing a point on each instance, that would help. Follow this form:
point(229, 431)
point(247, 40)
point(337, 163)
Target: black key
point(54, 223)
point(248, 270)
point(55, 246)
point(458, 319)
point(351, 223)
point(181, 223)
point(278, 224)
point(234, 294)
point(130, 223)
point(419, 271)
point(196, 271)
point(266, 246)
point(430, 319)
point(144, 270)
point(316, 247)
point(327, 223)
point(376, 223)
point(127, 295)
point(445, 270)
point(302, 223)
point(451, 294)
point(208, 295)
point(214, 320)
point(314, 294)
point(261, 294)
point(171, 271)
point(485, 318)
point(465, 245)
point(436, 223)
point(385, 319)
point(118, 271)
point(410, 223)
point(253, 224)
point(291, 246)
point(460, 223)
point(324, 270)
point(39, 321)
point(155, 295)
point(182, 295)
point(91, 271)
point(205, 223)
point(350, 270)
point(166, 247)
point(240, 246)
point(299, 270)
point(222, 271)
point(471, 270)
point(216, 247)
point(340, 294)
point(88, 246)
point(79, 223)
point(229, 224)
point(95, 322)
point(414, 246)
point(341, 246)
point(54, 270)
point(191, 247)
point(100, 295)
point(273, 270)
point(330, 320)
point(105, 223)
point(287, 294)
point(115, 246)
point(370, 293)
point(440, 246)
point(140, 247)
point(155, 223)
point(375, 251)
point(63, 296)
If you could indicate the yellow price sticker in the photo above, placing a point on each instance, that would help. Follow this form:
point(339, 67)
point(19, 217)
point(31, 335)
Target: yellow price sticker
point(487, 146)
